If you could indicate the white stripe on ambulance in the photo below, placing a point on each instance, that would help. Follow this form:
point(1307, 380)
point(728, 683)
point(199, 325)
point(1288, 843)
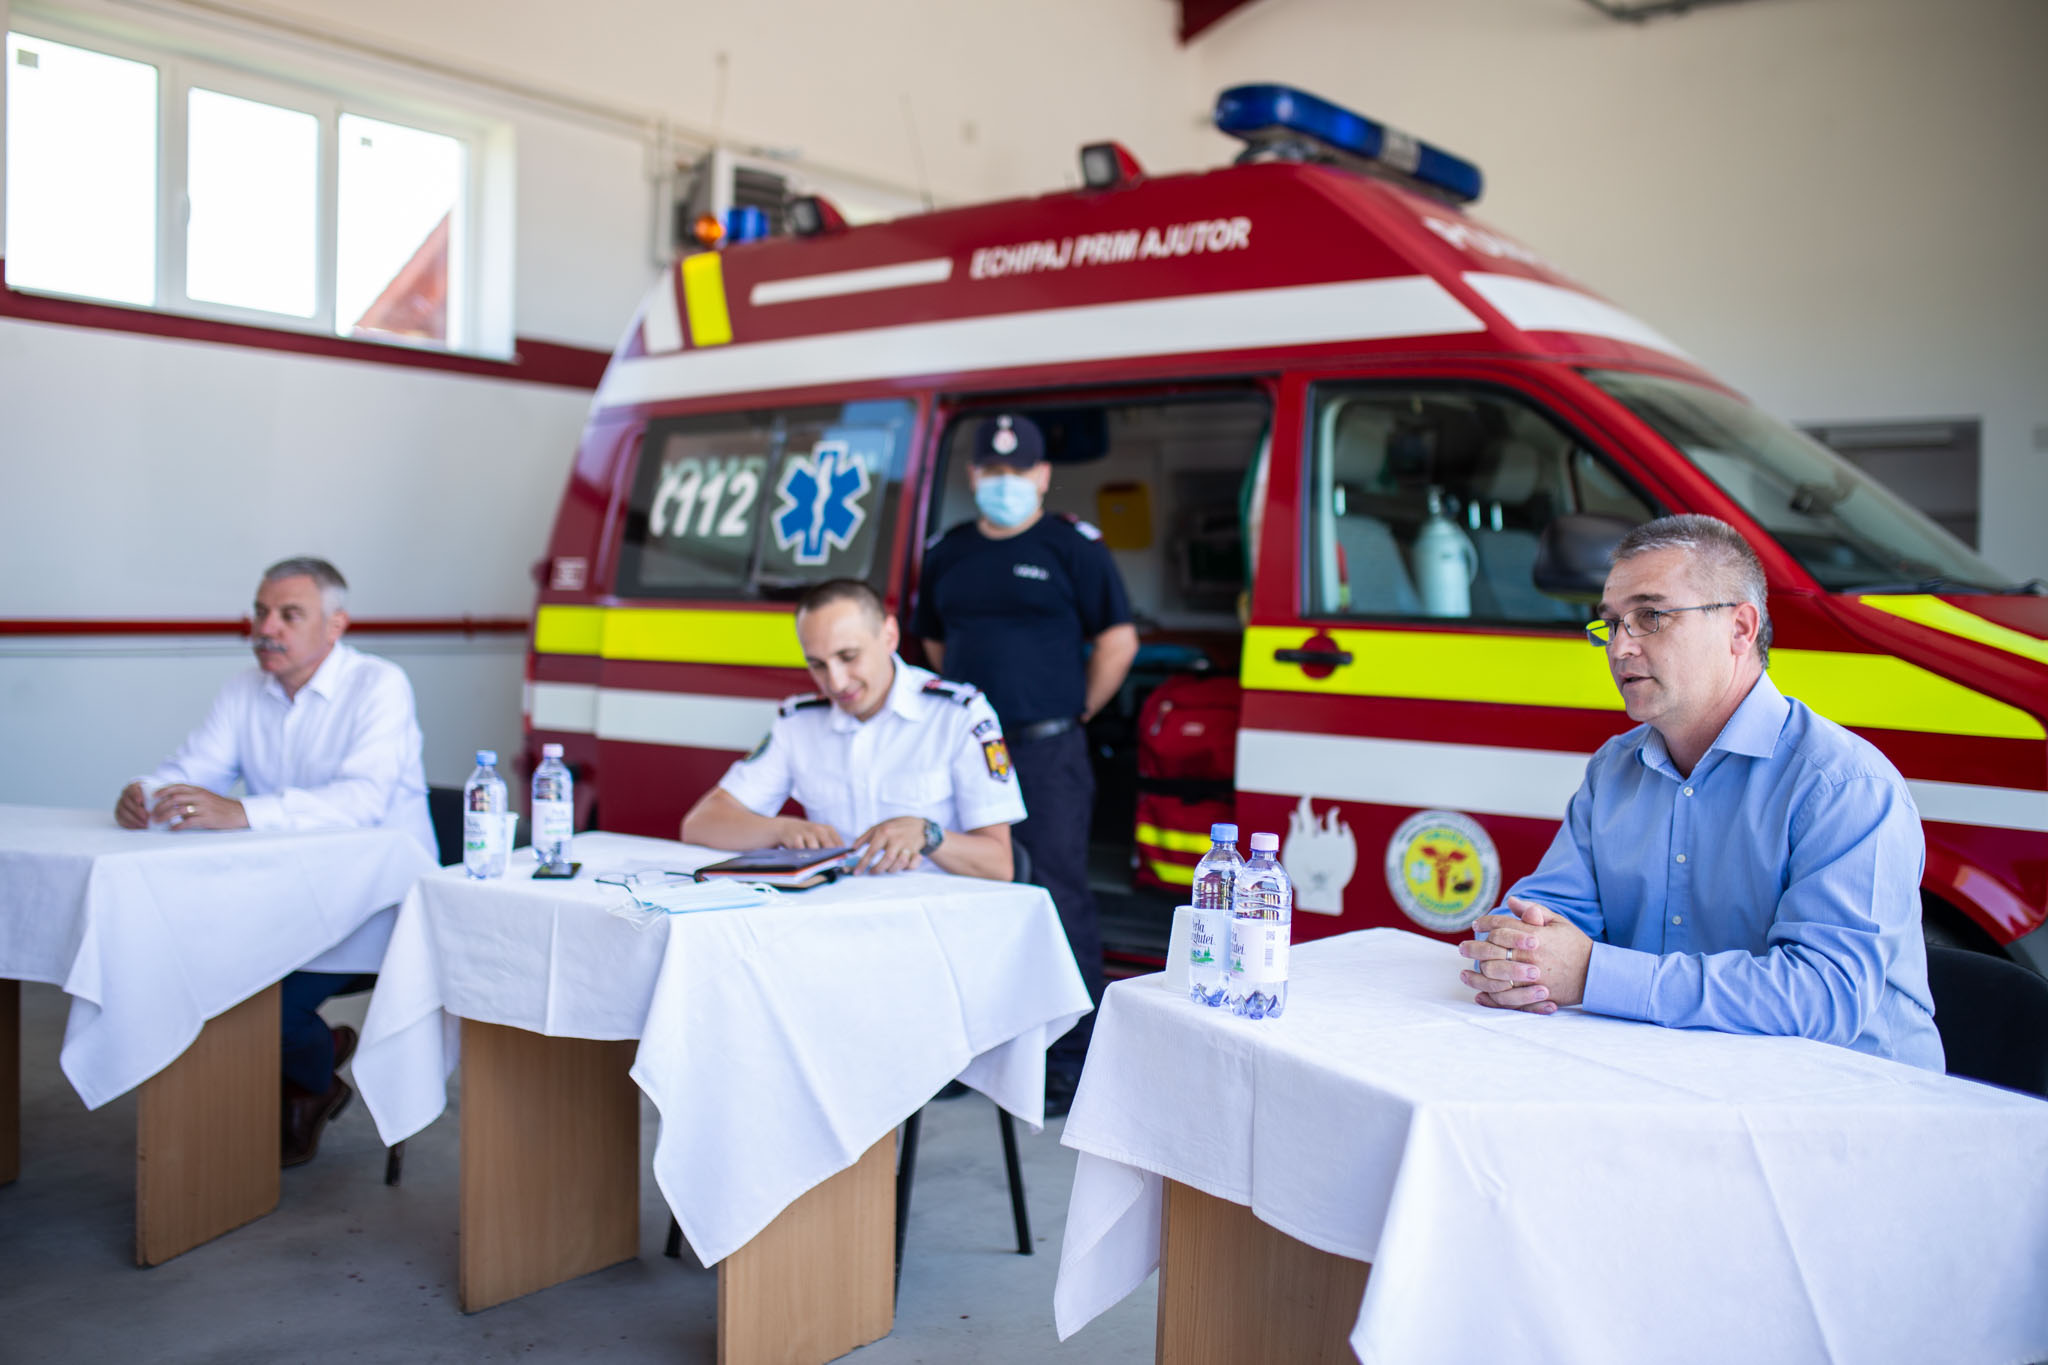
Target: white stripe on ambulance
point(1535, 784)
point(1534, 306)
point(681, 718)
point(836, 283)
point(1248, 319)
point(661, 331)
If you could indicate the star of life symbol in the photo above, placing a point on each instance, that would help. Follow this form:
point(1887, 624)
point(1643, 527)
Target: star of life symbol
point(821, 502)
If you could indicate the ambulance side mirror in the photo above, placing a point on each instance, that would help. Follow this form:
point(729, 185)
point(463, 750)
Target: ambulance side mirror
point(1572, 555)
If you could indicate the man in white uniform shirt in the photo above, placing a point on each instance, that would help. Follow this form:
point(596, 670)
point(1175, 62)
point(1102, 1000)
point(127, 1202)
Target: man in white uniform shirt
point(885, 756)
point(321, 737)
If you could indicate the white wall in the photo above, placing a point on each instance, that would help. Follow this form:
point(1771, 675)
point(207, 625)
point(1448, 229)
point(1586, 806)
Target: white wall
point(1837, 205)
point(1002, 93)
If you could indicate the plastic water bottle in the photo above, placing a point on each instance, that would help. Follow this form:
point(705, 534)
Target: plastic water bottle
point(1209, 934)
point(554, 809)
point(483, 818)
point(1261, 921)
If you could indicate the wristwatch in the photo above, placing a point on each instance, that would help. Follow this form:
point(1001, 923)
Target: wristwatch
point(933, 837)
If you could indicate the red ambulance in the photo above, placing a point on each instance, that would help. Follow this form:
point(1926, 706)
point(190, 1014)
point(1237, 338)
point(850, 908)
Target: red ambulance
point(1359, 458)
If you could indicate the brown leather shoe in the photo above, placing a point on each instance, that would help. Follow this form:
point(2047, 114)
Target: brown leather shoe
point(344, 1044)
point(305, 1116)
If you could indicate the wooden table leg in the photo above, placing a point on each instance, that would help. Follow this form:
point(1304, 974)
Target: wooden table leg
point(816, 1282)
point(550, 1160)
point(1233, 1289)
point(206, 1134)
point(10, 1081)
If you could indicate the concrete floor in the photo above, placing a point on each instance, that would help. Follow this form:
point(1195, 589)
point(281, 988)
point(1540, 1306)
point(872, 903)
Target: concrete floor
point(349, 1270)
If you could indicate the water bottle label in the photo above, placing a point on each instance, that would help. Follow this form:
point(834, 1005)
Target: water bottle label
point(553, 821)
point(483, 838)
point(1203, 949)
point(1258, 951)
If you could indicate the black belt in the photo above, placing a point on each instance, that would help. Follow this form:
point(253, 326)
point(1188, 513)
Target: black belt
point(1045, 729)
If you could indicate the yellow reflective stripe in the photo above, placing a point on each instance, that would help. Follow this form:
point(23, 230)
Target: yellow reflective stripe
point(1875, 691)
point(1883, 692)
point(766, 639)
point(1172, 872)
point(1950, 619)
point(568, 630)
point(1506, 670)
point(704, 297)
point(1173, 840)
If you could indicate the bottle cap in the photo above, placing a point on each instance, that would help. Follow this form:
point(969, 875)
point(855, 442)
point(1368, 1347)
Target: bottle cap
point(1223, 834)
point(1265, 843)
point(486, 758)
point(550, 751)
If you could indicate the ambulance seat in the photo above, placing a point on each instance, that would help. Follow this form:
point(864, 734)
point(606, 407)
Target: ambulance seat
point(1505, 587)
point(1375, 568)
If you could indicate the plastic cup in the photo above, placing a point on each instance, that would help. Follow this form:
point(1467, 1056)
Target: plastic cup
point(150, 787)
point(1177, 948)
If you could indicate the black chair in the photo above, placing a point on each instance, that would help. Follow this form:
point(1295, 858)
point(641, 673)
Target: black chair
point(1992, 1016)
point(444, 810)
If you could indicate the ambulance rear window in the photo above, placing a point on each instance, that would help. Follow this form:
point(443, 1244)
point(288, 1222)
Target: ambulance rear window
point(1847, 530)
point(750, 503)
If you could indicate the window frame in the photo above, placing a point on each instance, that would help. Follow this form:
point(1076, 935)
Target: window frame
point(1310, 545)
point(180, 70)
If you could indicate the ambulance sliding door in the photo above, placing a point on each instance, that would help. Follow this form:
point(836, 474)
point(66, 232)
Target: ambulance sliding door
point(1417, 712)
point(1163, 477)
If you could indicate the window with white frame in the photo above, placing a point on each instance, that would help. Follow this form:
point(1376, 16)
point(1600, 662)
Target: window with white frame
point(154, 179)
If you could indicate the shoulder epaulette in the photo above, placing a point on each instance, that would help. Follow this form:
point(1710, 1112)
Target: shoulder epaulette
point(1086, 528)
point(791, 705)
point(960, 692)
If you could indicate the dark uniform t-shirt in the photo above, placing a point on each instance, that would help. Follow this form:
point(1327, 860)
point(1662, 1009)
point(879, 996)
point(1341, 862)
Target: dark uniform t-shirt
point(1016, 614)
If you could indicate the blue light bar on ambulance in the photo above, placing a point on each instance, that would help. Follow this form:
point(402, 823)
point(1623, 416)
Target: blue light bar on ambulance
point(1274, 116)
point(745, 223)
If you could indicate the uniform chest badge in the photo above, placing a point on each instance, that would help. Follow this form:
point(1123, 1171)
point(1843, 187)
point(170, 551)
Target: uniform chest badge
point(996, 754)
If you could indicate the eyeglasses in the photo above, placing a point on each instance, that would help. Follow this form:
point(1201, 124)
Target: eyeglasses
point(1640, 622)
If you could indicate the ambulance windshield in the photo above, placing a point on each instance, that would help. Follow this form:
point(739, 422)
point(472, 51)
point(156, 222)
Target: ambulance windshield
point(1846, 529)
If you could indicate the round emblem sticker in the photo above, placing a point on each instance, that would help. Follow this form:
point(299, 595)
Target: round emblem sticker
point(1442, 870)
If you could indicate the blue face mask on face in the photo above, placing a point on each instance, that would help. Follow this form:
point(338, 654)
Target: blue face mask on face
point(1006, 499)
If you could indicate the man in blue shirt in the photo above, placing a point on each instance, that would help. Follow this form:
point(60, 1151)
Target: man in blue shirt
point(1736, 861)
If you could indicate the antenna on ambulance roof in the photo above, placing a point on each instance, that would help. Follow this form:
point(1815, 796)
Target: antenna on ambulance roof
point(924, 189)
point(723, 62)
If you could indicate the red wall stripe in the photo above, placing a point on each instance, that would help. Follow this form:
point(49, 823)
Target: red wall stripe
point(397, 625)
point(535, 362)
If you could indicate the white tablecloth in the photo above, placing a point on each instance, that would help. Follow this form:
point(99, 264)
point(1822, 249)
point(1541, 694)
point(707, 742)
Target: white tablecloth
point(1570, 1188)
point(152, 933)
point(779, 1043)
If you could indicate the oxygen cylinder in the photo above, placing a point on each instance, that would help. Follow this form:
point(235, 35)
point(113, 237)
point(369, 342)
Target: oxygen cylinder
point(1445, 563)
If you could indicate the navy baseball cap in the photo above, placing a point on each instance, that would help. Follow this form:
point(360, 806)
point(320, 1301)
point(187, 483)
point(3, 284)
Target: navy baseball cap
point(1009, 440)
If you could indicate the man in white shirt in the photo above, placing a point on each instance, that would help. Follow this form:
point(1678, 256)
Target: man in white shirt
point(321, 737)
point(885, 756)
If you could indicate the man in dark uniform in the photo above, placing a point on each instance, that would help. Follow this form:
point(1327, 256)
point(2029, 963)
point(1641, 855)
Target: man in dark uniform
point(1010, 602)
